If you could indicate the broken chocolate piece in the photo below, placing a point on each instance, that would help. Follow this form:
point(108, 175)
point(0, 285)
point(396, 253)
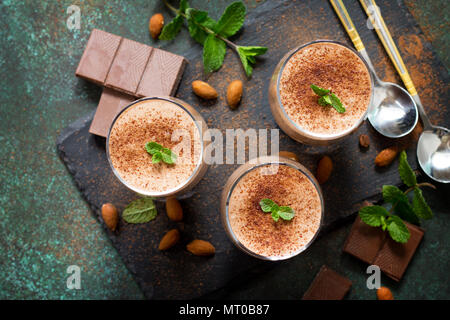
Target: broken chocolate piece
point(111, 103)
point(328, 285)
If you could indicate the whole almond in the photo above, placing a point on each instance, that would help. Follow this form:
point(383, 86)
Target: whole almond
point(169, 239)
point(386, 156)
point(155, 25)
point(174, 210)
point(234, 93)
point(384, 293)
point(110, 216)
point(204, 90)
point(364, 140)
point(324, 169)
point(201, 248)
point(289, 155)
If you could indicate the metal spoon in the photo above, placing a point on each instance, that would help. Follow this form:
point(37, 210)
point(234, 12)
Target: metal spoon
point(393, 112)
point(433, 148)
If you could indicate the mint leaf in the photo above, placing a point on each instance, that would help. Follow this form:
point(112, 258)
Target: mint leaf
point(371, 215)
point(231, 20)
point(286, 213)
point(140, 211)
point(153, 147)
point(397, 229)
point(275, 216)
point(168, 156)
point(156, 157)
point(183, 6)
point(253, 51)
point(320, 91)
point(404, 210)
point(247, 67)
point(324, 101)
point(213, 53)
point(171, 30)
point(337, 104)
point(420, 207)
point(392, 194)
point(267, 205)
point(196, 19)
point(405, 171)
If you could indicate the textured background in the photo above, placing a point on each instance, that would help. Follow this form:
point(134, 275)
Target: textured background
point(45, 226)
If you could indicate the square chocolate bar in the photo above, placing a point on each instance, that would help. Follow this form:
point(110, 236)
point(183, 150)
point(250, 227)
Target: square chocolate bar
point(328, 285)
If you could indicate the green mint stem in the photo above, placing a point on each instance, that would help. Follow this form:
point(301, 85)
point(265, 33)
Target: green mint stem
point(206, 29)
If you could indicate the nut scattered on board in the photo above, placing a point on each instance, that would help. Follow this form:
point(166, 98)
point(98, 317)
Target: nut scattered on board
point(289, 155)
point(110, 216)
point(364, 140)
point(234, 93)
point(169, 239)
point(201, 248)
point(155, 25)
point(174, 210)
point(324, 169)
point(204, 90)
point(386, 156)
point(384, 293)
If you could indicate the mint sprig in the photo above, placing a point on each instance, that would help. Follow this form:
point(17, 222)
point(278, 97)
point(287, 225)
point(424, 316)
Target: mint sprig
point(378, 216)
point(277, 212)
point(213, 35)
point(159, 153)
point(140, 211)
point(328, 98)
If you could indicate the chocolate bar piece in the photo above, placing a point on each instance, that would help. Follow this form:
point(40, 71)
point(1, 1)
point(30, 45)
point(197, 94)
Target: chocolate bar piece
point(129, 66)
point(328, 285)
point(373, 246)
point(111, 103)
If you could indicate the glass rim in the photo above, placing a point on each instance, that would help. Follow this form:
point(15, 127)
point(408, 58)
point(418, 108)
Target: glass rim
point(310, 134)
point(274, 160)
point(145, 192)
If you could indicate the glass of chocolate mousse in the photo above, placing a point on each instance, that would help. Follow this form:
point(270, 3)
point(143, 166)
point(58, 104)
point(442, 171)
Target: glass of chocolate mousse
point(286, 184)
point(329, 65)
point(169, 122)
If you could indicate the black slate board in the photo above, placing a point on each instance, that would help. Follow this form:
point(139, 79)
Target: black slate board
point(178, 274)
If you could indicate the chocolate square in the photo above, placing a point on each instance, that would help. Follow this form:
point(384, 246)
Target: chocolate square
point(128, 66)
point(162, 74)
point(98, 56)
point(111, 103)
point(328, 285)
point(364, 242)
point(394, 257)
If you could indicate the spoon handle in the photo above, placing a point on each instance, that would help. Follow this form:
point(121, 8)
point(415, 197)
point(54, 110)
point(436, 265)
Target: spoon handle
point(373, 12)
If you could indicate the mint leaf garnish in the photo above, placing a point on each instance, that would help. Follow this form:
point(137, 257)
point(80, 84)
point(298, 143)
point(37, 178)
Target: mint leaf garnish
point(392, 194)
point(405, 211)
point(140, 211)
point(213, 35)
point(214, 51)
point(405, 171)
point(327, 98)
point(231, 20)
point(420, 207)
point(277, 212)
point(372, 215)
point(159, 153)
point(397, 229)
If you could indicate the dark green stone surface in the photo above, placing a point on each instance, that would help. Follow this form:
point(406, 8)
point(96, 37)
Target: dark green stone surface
point(45, 226)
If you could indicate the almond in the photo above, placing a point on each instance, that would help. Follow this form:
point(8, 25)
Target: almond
point(289, 155)
point(155, 25)
point(174, 210)
point(384, 293)
point(169, 240)
point(386, 156)
point(324, 169)
point(364, 140)
point(204, 90)
point(234, 93)
point(110, 216)
point(201, 248)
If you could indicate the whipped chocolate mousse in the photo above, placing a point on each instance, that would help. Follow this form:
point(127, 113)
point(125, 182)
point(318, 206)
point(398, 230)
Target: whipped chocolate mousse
point(168, 122)
point(331, 66)
point(285, 182)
